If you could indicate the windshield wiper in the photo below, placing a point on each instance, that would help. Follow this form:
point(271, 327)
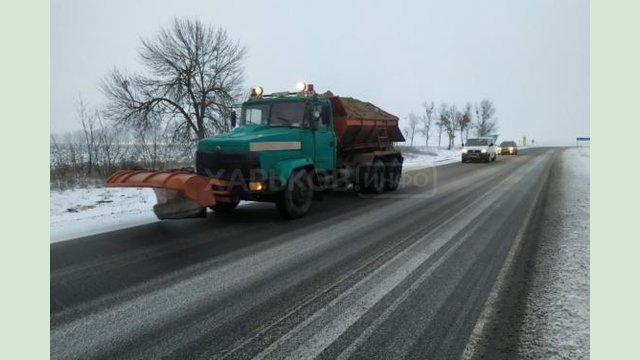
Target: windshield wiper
point(285, 120)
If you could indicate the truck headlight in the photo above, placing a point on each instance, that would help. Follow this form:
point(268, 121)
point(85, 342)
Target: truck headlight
point(464, 151)
point(483, 150)
point(256, 186)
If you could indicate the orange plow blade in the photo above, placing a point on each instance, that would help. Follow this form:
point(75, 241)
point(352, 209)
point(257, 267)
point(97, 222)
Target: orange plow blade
point(180, 194)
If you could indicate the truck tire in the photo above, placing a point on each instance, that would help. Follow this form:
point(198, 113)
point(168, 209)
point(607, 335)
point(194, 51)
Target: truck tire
point(224, 208)
point(394, 174)
point(295, 200)
point(375, 182)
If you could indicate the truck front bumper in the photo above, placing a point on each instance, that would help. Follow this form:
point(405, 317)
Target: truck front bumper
point(252, 189)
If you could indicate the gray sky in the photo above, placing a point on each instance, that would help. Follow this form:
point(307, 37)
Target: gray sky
point(530, 57)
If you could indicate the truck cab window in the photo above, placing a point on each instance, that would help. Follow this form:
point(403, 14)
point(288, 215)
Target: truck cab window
point(323, 110)
point(324, 115)
point(255, 114)
point(288, 114)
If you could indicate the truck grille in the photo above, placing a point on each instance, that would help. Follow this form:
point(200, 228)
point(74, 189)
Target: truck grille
point(226, 166)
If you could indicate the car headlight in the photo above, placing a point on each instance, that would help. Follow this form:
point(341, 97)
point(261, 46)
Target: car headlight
point(510, 149)
point(498, 148)
point(464, 151)
point(483, 150)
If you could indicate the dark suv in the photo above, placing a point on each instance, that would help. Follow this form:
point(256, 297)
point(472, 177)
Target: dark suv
point(507, 148)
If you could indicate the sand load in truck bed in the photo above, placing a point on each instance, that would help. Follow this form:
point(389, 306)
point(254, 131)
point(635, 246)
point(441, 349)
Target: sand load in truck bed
point(362, 125)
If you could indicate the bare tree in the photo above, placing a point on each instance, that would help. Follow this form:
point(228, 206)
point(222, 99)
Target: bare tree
point(413, 127)
point(194, 76)
point(156, 146)
point(469, 113)
point(69, 158)
point(443, 119)
point(451, 124)
point(72, 145)
point(59, 162)
point(427, 120)
point(89, 122)
point(112, 146)
point(447, 122)
point(463, 120)
point(456, 119)
point(486, 122)
point(149, 143)
point(441, 123)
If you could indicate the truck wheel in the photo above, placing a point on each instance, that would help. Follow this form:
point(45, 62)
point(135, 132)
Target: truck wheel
point(376, 178)
point(295, 200)
point(225, 207)
point(394, 173)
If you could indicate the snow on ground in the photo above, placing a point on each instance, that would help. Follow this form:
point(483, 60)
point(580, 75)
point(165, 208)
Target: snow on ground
point(556, 319)
point(81, 212)
point(86, 211)
point(421, 157)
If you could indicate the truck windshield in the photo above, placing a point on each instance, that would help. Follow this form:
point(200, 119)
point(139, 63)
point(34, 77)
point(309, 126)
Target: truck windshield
point(276, 114)
point(477, 142)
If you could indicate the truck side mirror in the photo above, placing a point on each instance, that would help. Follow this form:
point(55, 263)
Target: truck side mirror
point(233, 118)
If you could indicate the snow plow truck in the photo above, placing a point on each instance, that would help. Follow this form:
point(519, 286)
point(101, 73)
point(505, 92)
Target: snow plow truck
point(287, 147)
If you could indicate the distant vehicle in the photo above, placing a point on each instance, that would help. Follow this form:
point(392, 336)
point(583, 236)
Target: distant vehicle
point(507, 148)
point(482, 148)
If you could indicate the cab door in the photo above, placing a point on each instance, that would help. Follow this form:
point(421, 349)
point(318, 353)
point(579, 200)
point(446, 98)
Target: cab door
point(325, 138)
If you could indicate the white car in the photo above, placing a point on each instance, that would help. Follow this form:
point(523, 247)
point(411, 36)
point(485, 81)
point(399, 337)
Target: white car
point(482, 149)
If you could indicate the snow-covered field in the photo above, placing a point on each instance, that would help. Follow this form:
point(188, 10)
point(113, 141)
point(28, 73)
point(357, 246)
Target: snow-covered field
point(82, 212)
point(556, 320)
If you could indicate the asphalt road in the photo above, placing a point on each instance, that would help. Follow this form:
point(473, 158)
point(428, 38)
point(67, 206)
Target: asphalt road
point(405, 275)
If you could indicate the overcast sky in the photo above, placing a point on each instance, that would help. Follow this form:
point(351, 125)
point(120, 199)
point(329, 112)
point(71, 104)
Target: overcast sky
point(530, 57)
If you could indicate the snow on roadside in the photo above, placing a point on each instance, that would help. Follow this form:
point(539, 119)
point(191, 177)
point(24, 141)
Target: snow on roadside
point(87, 211)
point(81, 212)
point(421, 157)
point(556, 318)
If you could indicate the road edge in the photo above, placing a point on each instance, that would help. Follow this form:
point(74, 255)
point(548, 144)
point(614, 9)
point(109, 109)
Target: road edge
point(511, 280)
